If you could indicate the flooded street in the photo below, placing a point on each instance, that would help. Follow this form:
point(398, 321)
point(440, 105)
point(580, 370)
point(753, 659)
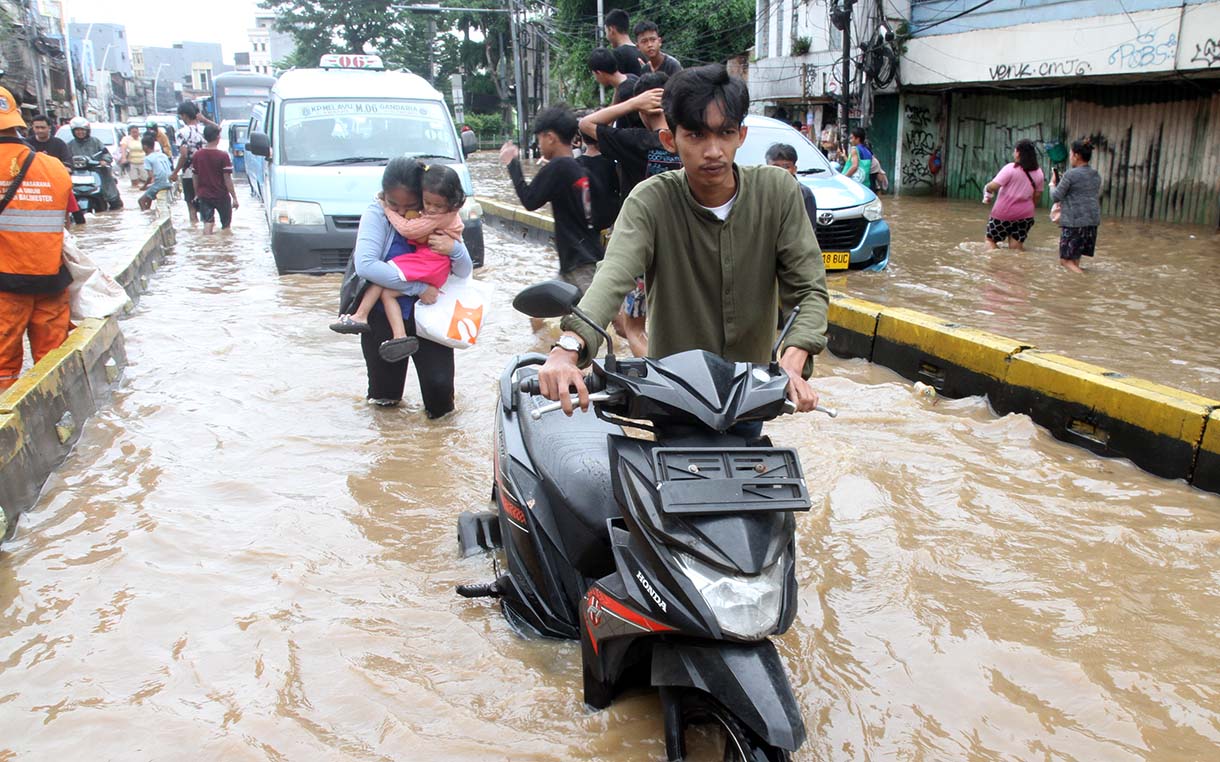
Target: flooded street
point(242, 560)
point(1144, 307)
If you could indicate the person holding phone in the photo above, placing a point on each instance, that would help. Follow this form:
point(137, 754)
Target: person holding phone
point(1078, 193)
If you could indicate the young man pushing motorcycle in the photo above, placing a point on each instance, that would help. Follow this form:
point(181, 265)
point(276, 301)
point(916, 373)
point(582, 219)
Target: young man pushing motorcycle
point(714, 241)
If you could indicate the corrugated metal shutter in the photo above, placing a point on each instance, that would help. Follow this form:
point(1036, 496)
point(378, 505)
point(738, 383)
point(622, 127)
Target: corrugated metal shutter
point(983, 130)
point(1157, 149)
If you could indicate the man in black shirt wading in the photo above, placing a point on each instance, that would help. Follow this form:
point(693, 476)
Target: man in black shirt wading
point(565, 184)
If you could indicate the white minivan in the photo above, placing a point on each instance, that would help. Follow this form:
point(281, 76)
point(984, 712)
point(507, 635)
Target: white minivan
point(329, 132)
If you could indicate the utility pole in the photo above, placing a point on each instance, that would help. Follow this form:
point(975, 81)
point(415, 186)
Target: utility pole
point(597, 37)
point(432, 52)
point(845, 103)
point(515, 31)
point(32, 38)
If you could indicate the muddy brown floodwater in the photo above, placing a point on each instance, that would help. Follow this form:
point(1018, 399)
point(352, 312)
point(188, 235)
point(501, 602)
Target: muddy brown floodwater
point(243, 561)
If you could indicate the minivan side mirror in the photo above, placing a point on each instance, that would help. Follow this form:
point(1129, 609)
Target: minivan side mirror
point(470, 143)
point(259, 144)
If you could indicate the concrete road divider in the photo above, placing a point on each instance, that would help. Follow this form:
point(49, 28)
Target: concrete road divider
point(43, 414)
point(954, 360)
point(46, 407)
point(1157, 427)
point(853, 326)
point(1207, 464)
point(1171, 433)
point(519, 223)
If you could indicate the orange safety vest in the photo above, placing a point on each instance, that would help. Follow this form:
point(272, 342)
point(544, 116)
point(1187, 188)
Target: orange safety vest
point(32, 225)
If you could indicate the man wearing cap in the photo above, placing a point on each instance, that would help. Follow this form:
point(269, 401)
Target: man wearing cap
point(33, 279)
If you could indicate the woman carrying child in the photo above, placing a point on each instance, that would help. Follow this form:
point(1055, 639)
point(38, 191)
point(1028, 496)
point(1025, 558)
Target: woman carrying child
point(407, 257)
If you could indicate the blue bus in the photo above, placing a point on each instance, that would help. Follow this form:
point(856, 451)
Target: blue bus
point(235, 93)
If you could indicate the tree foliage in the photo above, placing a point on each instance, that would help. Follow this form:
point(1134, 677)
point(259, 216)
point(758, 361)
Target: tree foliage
point(695, 32)
point(403, 39)
point(478, 44)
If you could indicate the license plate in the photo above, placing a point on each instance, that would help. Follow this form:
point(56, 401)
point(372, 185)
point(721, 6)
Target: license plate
point(82, 178)
point(836, 260)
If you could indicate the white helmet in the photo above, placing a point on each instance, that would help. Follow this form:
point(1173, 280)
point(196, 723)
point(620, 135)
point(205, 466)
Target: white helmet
point(79, 123)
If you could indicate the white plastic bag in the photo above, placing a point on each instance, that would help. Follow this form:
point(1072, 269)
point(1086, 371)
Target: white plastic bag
point(456, 317)
point(93, 293)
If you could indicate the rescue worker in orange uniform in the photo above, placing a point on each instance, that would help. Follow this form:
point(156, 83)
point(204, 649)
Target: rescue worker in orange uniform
point(33, 279)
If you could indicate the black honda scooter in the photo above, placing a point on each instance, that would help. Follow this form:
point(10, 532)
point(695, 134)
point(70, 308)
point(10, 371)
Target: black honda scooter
point(671, 558)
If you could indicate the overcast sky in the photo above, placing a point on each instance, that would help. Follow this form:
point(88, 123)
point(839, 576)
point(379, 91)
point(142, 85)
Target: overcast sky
point(223, 21)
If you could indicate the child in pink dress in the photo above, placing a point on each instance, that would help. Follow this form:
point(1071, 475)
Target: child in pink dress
point(443, 197)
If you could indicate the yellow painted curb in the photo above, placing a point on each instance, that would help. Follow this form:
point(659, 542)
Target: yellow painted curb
point(969, 348)
point(852, 325)
point(1153, 407)
point(852, 314)
point(1207, 464)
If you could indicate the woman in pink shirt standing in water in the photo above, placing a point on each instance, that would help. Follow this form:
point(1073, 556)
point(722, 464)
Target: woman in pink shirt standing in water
point(1019, 187)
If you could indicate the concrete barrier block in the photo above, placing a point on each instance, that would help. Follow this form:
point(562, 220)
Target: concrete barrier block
point(853, 326)
point(955, 360)
point(20, 481)
point(52, 401)
point(1207, 463)
point(103, 353)
point(1157, 427)
point(134, 277)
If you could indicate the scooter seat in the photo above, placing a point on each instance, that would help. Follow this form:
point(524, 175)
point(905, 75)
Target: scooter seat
point(572, 457)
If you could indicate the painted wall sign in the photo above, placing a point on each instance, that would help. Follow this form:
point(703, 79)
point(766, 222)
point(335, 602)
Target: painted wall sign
point(1145, 42)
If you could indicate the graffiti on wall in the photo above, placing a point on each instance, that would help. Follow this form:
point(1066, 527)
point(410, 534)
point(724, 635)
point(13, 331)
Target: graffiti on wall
point(983, 146)
point(1207, 52)
point(1067, 67)
point(1144, 51)
point(918, 144)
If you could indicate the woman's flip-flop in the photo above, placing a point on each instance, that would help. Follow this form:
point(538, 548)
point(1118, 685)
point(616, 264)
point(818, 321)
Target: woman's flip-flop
point(346, 324)
point(397, 350)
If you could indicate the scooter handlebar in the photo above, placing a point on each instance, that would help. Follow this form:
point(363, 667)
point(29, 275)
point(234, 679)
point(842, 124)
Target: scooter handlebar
point(530, 385)
point(790, 408)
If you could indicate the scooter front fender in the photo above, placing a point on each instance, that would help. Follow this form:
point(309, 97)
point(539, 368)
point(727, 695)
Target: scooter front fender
point(747, 678)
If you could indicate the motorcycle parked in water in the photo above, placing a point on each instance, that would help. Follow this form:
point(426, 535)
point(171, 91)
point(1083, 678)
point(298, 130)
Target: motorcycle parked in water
point(88, 185)
point(671, 559)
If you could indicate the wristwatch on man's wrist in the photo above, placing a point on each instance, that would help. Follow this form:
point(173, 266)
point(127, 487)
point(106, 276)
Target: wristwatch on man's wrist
point(570, 343)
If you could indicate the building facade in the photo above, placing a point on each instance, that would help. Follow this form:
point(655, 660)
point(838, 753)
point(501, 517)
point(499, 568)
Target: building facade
point(33, 56)
point(1140, 79)
point(268, 47)
point(109, 44)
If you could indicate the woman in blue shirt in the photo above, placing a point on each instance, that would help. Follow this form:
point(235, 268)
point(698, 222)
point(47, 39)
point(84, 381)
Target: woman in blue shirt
point(376, 243)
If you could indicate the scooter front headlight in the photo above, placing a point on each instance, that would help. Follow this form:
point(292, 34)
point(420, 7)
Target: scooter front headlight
point(747, 606)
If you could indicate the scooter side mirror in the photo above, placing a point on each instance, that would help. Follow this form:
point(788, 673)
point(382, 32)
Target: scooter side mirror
point(552, 298)
point(259, 144)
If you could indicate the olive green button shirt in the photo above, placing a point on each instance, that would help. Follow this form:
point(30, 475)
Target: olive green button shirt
point(712, 285)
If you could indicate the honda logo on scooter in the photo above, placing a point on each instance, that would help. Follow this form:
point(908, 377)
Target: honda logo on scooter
point(639, 575)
